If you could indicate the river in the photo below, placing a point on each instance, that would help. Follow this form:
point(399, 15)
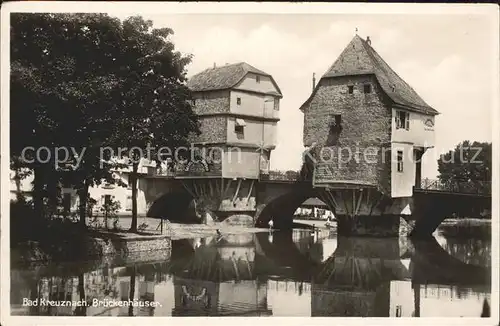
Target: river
point(279, 274)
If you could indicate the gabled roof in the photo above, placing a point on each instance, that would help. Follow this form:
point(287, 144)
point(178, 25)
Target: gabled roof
point(225, 77)
point(359, 58)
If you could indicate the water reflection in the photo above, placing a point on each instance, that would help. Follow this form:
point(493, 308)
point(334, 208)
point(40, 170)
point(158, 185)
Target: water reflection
point(279, 274)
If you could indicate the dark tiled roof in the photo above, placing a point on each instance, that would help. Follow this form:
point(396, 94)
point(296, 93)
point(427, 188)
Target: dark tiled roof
point(316, 202)
point(359, 58)
point(223, 77)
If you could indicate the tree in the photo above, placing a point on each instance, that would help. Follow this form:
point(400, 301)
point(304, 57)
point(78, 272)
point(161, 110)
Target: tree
point(88, 81)
point(61, 82)
point(154, 109)
point(466, 167)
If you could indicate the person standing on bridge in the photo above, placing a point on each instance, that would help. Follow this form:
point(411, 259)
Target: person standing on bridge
point(271, 225)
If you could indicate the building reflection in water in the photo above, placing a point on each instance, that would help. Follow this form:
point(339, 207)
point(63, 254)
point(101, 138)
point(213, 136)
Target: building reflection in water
point(278, 274)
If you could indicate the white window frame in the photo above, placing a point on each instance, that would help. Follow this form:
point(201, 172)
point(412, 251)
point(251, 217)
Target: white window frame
point(399, 122)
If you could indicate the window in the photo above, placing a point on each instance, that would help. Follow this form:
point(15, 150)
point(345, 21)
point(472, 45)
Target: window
point(399, 311)
point(338, 120)
point(193, 102)
point(402, 120)
point(257, 79)
point(400, 161)
point(105, 199)
point(367, 88)
point(335, 122)
point(238, 100)
point(128, 203)
point(335, 129)
point(350, 89)
point(239, 128)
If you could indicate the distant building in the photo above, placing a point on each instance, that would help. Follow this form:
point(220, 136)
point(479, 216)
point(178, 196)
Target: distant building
point(361, 103)
point(105, 191)
point(314, 207)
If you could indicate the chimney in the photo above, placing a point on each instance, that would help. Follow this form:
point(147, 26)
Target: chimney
point(368, 40)
point(314, 81)
point(215, 66)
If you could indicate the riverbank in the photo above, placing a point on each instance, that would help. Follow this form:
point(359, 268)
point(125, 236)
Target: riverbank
point(121, 244)
point(466, 228)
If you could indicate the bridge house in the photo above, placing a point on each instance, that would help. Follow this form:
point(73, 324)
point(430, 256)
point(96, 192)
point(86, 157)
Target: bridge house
point(365, 130)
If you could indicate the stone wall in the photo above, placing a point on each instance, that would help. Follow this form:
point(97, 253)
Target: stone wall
point(130, 249)
point(365, 121)
point(213, 129)
point(211, 102)
point(127, 246)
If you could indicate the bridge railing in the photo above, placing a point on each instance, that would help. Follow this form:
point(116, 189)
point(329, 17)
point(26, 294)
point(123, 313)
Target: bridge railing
point(473, 187)
point(160, 171)
point(280, 175)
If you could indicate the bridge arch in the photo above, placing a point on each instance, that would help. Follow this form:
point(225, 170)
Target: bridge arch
point(281, 208)
point(174, 206)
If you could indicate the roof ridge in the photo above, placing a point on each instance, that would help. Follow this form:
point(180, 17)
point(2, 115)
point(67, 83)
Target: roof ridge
point(224, 77)
point(359, 57)
point(372, 53)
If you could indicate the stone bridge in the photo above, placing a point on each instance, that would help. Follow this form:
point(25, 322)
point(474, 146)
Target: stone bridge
point(359, 211)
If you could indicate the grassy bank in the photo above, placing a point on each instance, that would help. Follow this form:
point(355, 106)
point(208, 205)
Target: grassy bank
point(466, 228)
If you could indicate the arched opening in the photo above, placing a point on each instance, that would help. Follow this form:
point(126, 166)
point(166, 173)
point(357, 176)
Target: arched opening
point(282, 210)
point(175, 207)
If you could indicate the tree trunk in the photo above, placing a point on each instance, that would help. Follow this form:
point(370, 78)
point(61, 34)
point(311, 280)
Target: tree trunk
point(133, 179)
point(81, 310)
point(38, 191)
point(83, 196)
point(132, 292)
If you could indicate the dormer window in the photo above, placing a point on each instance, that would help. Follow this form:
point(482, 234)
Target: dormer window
point(257, 79)
point(402, 120)
point(350, 89)
point(367, 88)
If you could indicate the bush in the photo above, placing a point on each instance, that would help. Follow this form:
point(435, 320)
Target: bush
point(58, 238)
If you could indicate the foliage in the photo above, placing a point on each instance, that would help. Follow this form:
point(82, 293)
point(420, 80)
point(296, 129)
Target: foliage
point(88, 81)
point(60, 88)
point(155, 104)
point(468, 165)
point(110, 211)
point(58, 238)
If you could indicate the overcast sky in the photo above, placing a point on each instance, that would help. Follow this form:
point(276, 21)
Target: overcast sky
point(448, 60)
